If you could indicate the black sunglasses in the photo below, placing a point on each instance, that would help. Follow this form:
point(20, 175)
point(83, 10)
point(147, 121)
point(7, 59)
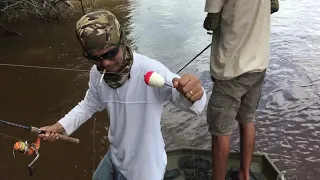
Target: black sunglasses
point(108, 55)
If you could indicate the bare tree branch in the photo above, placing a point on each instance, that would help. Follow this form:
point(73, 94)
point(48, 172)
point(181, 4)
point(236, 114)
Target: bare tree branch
point(9, 32)
point(11, 6)
point(48, 10)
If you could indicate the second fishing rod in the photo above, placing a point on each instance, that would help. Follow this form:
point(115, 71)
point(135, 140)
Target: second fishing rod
point(210, 33)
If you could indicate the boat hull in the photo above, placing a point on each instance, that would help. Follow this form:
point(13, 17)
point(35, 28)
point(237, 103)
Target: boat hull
point(261, 166)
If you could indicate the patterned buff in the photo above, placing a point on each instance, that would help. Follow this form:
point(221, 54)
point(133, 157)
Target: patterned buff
point(99, 30)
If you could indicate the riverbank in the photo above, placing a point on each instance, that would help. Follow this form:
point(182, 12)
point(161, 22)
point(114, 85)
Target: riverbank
point(20, 13)
point(44, 10)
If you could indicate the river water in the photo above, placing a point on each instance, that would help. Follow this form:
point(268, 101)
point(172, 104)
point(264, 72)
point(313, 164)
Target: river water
point(171, 32)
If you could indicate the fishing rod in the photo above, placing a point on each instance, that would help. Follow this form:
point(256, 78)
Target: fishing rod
point(26, 148)
point(194, 58)
point(210, 33)
point(82, 7)
point(31, 149)
point(39, 131)
point(154, 79)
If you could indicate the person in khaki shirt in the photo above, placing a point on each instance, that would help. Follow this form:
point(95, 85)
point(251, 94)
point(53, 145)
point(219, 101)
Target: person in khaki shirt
point(238, 63)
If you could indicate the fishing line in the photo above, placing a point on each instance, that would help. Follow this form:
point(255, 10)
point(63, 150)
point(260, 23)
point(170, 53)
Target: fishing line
point(33, 129)
point(43, 67)
point(209, 33)
point(53, 68)
point(81, 70)
point(15, 138)
point(93, 143)
point(82, 7)
point(192, 141)
point(194, 159)
point(194, 58)
point(12, 137)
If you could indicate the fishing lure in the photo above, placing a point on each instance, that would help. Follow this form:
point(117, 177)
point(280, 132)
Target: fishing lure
point(28, 149)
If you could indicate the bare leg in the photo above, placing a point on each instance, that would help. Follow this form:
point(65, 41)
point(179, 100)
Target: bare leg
point(247, 140)
point(220, 154)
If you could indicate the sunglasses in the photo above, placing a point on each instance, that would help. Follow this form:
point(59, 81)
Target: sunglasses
point(108, 55)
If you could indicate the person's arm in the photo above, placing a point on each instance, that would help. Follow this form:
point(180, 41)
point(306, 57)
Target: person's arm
point(213, 9)
point(85, 109)
point(167, 93)
point(181, 102)
point(213, 6)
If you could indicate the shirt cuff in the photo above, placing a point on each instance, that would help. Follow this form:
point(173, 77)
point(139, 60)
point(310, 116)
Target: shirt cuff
point(67, 125)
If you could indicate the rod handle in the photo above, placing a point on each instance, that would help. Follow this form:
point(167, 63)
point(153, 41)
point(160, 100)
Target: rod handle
point(70, 139)
point(61, 136)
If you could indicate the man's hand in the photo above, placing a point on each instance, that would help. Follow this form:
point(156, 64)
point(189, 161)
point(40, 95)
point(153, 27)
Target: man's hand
point(189, 86)
point(274, 6)
point(51, 132)
point(212, 21)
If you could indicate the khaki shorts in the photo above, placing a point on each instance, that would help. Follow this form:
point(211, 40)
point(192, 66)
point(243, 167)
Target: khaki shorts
point(235, 99)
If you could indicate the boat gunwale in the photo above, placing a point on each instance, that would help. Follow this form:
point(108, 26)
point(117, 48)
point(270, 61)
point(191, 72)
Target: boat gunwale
point(261, 154)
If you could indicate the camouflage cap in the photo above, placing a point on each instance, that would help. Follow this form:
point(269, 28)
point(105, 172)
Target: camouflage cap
point(98, 30)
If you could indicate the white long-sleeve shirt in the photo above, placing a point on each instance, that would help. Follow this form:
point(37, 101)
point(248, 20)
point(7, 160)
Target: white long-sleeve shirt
point(136, 143)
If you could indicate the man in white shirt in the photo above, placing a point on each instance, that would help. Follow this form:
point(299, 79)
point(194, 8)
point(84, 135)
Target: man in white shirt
point(239, 59)
point(137, 149)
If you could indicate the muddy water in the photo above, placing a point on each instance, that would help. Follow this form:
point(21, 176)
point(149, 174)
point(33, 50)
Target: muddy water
point(170, 31)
